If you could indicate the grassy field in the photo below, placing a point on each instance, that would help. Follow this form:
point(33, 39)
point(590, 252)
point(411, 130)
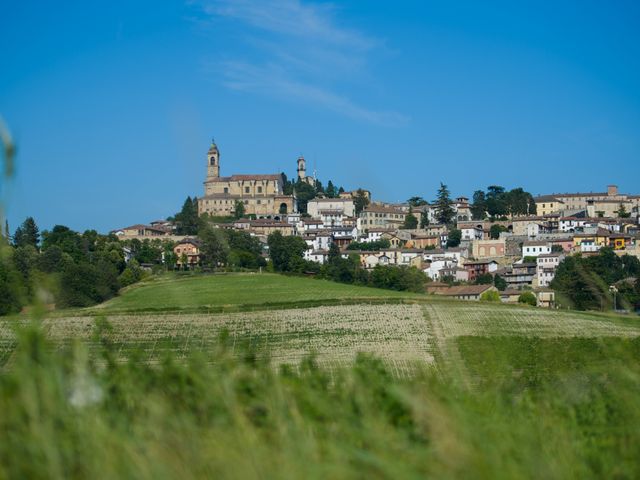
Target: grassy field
point(215, 292)
point(288, 318)
point(176, 379)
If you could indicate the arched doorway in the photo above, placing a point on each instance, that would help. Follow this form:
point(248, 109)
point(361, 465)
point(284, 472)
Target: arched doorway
point(283, 209)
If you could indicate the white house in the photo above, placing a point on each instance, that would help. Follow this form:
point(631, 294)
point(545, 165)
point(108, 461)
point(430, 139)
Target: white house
point(472, 232)
point(546, 265)
point(435, 266)
point(318, 256)
point(535, 248)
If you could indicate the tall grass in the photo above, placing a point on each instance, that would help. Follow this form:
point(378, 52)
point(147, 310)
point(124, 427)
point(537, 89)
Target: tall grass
point(65, 414)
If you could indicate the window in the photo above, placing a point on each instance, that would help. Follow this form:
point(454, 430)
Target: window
point(226, 190)
point(246, 189)
point(259, 189)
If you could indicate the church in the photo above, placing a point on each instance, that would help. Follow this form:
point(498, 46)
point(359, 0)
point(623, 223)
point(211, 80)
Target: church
point(262, 195)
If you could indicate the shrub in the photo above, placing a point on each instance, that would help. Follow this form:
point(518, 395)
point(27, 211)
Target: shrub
point(528, 298)
point(490, 296)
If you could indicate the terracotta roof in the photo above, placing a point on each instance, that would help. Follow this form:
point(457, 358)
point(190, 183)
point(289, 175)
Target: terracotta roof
point(239, 178)
point(376, 209)
point(535, 243)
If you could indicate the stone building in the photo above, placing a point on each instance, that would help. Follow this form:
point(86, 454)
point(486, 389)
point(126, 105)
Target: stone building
point(262, 195)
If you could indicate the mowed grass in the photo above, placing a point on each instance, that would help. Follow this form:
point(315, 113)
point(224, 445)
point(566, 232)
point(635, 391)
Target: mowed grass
point(215, 292)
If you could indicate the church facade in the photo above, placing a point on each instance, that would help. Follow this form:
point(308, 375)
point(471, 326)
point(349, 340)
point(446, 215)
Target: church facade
point(261, 195)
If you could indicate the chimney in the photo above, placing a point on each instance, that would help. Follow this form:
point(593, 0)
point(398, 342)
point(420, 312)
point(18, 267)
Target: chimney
point(612, 190)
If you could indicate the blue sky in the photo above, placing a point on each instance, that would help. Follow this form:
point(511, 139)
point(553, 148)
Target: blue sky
point(113, 104)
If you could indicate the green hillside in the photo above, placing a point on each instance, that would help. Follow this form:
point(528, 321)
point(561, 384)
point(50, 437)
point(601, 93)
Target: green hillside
point(210, 292)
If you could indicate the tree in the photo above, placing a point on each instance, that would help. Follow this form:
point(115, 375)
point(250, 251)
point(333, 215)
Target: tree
point(304, 192)
point(360, 201)
point(286, 253)
point(424, 219)
point(187, 219)
point(410, 220)
point(444, 208)
point(417, 202)
point(27, 234)
point(494, 231)
point(214, 248)
point(7, 235)
point(238, 210)
point(495, 201)
point(622, 212)
point(67, 240)
point(287, 185)
point(484, 279)
point(454, 238)
point(479, 206)
point(331, 190)
point(500, 283)
point(490, 296)
point(528, 298)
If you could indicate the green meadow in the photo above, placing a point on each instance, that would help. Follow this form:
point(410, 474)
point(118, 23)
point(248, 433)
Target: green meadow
point(267, 376)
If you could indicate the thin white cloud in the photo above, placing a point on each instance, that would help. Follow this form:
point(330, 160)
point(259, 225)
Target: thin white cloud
point(290, 17)
point(305, 56)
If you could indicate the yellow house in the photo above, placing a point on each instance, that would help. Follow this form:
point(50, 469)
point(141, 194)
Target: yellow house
point(547, 204)
point(600, 238)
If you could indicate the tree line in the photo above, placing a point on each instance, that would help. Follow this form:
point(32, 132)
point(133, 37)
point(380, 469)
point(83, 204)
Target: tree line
point(61, 266)
point(584, 283)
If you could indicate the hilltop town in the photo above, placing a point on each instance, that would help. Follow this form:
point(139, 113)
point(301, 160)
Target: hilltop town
point(461, 246)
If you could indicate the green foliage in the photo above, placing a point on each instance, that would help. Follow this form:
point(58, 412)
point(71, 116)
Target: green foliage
point(490, 296)
point(540, 408)
point(374, 246)
point(11, 293)
point(149, 251)
point(500, 203)
point(500, 283)
point(495, 230)
point(444, 206)
point(72, 270)
point(286, 252)
point(27, 234)
point(304, 193)
point(417, 202)
point(187, 220)
point(214, 247)
point(238, 210)
point(410, 221)
point(424, 219)
point(583, 282)
point(398, 278)
point(360, 201)
point(343, 270)
point(528, 298)
point(484, 279)
point(454, 237)
point(478, 206)
point(131, 274)
point(622, 212)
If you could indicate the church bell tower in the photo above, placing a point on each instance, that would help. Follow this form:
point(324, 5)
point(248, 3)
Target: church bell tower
point(302, 168)
point(213, 161)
